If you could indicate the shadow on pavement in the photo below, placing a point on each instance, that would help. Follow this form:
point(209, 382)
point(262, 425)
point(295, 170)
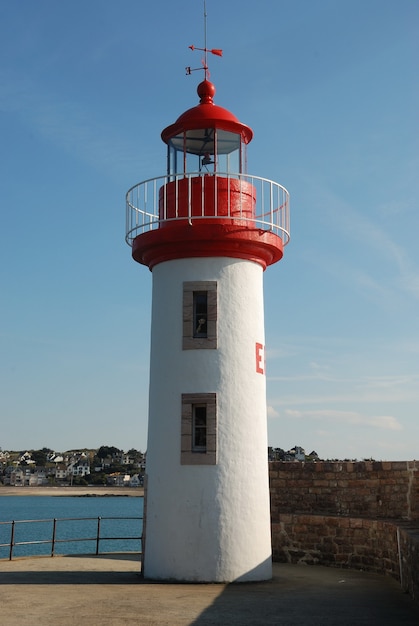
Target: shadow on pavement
point(313, 596)
point(102, 588)
point(70, 578)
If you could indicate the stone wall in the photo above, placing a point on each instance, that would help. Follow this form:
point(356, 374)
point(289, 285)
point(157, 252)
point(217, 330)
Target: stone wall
point(409, 560)
point(340, 541)
point(378, 546)
point(377, 490)
point(357, 515)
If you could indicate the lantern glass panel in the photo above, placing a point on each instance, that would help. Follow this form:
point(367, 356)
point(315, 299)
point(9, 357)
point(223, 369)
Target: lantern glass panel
point(205, 150)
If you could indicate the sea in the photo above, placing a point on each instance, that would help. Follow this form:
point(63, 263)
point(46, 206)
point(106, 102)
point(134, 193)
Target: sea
point(118, 518)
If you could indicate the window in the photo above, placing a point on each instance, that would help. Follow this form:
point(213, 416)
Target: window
point(199, 315)
point(199, 429)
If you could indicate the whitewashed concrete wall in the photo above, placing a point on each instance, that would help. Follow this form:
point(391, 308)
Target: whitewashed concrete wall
point(208, 523)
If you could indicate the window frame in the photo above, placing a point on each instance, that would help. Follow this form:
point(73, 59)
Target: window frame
point(190, 454)
point(190, 341)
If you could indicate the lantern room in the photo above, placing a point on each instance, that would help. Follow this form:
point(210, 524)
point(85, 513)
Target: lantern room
point(206, 139)
point(207, 205)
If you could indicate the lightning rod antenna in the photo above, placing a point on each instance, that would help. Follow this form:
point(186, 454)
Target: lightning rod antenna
point(216, 51)
point(205, 40)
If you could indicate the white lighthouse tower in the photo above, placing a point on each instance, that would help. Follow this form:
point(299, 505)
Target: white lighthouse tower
point(207, 230)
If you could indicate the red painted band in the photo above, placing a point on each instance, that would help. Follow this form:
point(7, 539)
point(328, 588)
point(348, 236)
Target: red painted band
point(207, 238)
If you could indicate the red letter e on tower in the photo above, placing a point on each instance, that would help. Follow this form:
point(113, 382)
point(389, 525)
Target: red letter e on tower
point(260, 358)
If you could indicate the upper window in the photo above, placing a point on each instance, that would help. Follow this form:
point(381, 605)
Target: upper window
point(199, 315)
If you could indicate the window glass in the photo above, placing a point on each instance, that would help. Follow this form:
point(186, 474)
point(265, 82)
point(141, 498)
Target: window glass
point(205, 150)
point(200, 313)
point(199, 434)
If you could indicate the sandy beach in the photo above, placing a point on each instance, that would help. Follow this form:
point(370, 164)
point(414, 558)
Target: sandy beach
point(71, 491)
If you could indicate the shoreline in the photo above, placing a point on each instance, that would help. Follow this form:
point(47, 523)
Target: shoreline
point(72, 491)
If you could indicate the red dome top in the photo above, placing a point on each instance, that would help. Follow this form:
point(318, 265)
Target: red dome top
point(207, 115)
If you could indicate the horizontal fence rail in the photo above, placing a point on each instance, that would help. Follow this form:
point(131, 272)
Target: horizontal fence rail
point(54, 533)
point(259, 202)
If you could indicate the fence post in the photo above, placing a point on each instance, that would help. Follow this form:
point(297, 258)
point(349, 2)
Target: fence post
point(12, 540)
point(98, 535)
point(54, 526)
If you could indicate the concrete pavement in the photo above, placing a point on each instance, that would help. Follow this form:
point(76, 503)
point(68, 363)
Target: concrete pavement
point(108, 591)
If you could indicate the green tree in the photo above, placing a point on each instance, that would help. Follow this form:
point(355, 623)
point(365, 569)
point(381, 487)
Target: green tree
point(40, 456)
point(80, 480)
point(105, 451)
point(98, 478)
point(135, 454)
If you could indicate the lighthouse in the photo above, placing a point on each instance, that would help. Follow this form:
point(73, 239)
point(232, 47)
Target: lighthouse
point(207, 230)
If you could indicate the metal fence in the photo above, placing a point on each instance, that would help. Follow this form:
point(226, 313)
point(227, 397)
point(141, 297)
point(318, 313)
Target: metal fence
point(55, 525)
point(196, 196)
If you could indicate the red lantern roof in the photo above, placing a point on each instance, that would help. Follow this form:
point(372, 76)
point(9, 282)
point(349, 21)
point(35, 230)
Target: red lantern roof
point(207, 115)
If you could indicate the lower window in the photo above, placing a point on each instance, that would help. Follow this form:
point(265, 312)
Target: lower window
point(199, 429)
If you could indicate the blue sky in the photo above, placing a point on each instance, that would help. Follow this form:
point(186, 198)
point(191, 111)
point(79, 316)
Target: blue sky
point(330, 89)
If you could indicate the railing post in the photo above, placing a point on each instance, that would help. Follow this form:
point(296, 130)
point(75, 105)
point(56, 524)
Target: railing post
point(12, 540)
point(54, 526)
point(215, 179)
point(98, 535)
point(189, 200)
point(271, 208)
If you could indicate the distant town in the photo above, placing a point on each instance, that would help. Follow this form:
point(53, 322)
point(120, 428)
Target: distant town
point(106, 465)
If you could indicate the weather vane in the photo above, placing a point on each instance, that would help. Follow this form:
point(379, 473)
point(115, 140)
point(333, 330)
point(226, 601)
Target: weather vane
point(216, 51)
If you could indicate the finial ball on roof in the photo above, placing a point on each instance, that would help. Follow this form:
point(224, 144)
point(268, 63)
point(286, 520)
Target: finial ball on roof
point(206, 91)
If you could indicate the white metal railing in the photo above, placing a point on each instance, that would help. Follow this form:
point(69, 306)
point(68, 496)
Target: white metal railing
point(226, 196)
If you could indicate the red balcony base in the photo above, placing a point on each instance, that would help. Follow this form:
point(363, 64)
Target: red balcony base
point(213, 238)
